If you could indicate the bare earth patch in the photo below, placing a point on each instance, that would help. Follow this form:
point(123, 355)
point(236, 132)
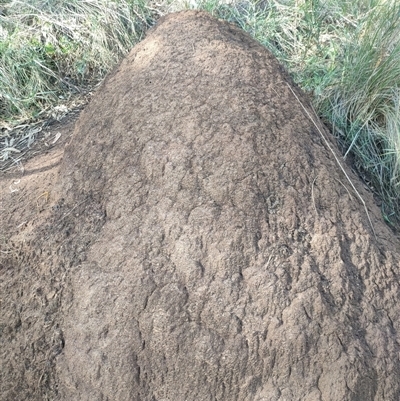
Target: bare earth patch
point(196, 240)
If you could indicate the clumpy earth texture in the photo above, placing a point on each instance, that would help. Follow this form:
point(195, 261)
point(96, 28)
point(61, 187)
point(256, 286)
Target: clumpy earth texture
point(201, 242)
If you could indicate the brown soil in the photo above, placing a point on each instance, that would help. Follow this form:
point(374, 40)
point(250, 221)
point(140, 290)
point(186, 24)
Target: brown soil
point(196, 240)
point(30, 290)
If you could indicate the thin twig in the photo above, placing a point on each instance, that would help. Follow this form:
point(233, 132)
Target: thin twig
point(344, 186)
point(312, 196)
point(336, 158)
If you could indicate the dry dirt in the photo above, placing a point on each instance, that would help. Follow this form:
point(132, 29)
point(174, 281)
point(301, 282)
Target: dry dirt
point(195, 240)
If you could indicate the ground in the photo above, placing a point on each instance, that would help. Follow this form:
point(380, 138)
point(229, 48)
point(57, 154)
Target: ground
point(194, 237)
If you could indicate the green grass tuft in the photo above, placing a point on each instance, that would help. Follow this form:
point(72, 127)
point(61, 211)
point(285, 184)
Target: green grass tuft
point(361, 101)
point(51, 50)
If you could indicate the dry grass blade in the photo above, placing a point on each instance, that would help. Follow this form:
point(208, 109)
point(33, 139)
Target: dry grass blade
point(336, 158)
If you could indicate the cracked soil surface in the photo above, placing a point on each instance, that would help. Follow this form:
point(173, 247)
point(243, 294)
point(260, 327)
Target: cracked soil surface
point(196, 239)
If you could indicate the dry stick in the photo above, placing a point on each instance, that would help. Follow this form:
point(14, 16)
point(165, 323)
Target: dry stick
point(344, 186)
point(336, 158)
point(312, 196)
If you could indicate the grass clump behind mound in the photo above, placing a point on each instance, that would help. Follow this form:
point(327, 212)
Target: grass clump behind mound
point(345, 55)
point(50, 50)
point(362, 102)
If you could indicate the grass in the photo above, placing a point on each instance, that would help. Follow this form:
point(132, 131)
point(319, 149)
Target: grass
point(362, 105)
point(344, 54)
point(51, 50)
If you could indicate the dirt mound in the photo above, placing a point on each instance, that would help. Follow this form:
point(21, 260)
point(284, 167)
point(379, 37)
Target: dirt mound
point(204, 243)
